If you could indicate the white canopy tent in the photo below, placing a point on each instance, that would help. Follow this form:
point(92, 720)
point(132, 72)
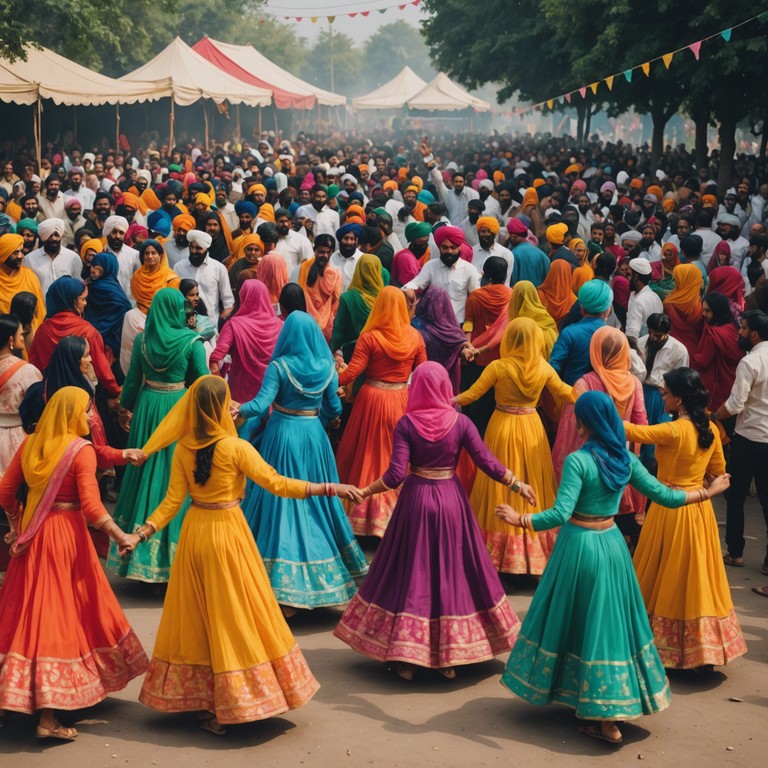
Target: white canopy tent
point(443, 95)
point(394, 94)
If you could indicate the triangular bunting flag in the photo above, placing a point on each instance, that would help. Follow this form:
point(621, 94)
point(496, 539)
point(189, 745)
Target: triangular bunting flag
point(696, 49)
point(402, 7)
point(628, 75)
point(415, 2)
point(313, 19)
point(382, 10)
point(568, 97)
point(583, 92)
point(551, 103)
point(365, 13)
point(726, 35)
point(593, 87)
point(331, 19)
point(646, 68)
point(667, 59)
point(609, 82)
point(352, 15)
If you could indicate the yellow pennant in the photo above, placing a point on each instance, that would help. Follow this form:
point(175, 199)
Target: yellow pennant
point(609, 82)
point(593, 87)
point(646, 68)
point(667, 59)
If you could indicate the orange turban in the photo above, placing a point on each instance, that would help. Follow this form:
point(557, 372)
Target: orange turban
point(267, 212)
point(636, 183)
point(572, 168)
point(498, 177)
point(257, 187)
point(556, 233)
point(538, 183)
point(354, 220)
point(130, 201)
point(94, 244)
point(655, 189)
point(13, 209)
point(488, 222)
point(418, 182)
point(708, 201)
point(184, 221)
point(355, 210)
point(149, 201)
point(402, 174)
point(668, 205)
point(9, 243)
point(390, 185)
point(412, 187)
point(201, 197)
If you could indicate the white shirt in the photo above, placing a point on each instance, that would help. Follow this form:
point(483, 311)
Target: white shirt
point(229, 215)
point(745, 264)
point(480, 256)
point(641, 306)
point(394, 241)
point(86, 197)
point(653, 253)
point(709, 239)
point(738, 248)
point(67, 262)
point(134, 321)
point(52, 210)
point(128, 262)
point(345, 266)
point(456, 204)
point(174, 253)
point(326, 221)
point(459, 280)
point(749, 395)
point(492, 207)
point(213, 279)
point(294, 249)
point(672, 355)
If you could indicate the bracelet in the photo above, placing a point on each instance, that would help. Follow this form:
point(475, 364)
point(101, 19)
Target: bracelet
point(142, 536)
point(330, 489)
point(705, 492)
point(152, 526)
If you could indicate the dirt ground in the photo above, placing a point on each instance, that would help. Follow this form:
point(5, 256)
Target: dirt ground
point(364, 715)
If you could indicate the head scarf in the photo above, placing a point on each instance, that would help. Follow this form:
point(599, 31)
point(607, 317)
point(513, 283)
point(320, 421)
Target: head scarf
point(728, 281)
point(720, 307)
point(302, 353)
point(107, 302)
point(62, 294)
point(610, 358)
point(581, 276)
point(686, 295)
point(10, 243)
point(94, 244)
point(49, 227)
point(145, 284)
point(576, 241)
point(166, 336)
point(453, 235)
point(64, 419)
point(429, 406)
point(721, 248)
point(367, 280)
point(114, 222)
point(531, 197)
point(199, 419)
point(417, 229)
point(391, 326)
point(522, 353)
point(525, 302)
point(595, 297)
point(607, 443)
point(220, 247)
point(670, 247)
point(133, 230)
point(555, 292)
point(273, 272)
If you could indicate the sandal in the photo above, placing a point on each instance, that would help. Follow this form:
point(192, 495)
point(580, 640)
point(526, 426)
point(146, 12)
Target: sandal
point(736, 562)
point(208, 722)
point(57, 732)
point(762, 591)
point(596, 732)
point(448, 672)
point(405, 671)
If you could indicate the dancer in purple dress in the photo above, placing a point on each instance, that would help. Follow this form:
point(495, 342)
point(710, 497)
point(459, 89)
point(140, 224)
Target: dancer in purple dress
point(432, 597)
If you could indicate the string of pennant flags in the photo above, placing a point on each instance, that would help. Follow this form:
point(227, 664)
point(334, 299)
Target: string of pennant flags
point(645, 68)
point(351, 14)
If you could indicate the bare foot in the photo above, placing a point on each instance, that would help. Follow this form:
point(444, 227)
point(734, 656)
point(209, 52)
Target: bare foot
point(404, 670)
point(448, 672)
point(288, 611)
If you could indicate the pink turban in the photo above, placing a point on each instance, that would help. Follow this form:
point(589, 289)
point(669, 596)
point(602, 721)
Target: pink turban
point(516, 227)
point(453, 235)
point(580, 185)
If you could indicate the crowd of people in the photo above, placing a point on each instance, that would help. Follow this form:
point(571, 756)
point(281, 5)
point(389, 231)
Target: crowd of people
point(502, 357)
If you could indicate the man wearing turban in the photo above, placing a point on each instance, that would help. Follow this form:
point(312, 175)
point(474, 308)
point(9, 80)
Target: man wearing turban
point(177, 248)
point(291, 245)
point(27, 228)
point(558, 237)
point(570, 354)
point(211, 275)
point(729, 227)
point(16, 278)
point(51, 261)
point(407, 263)
point(113, 233)
point(487, 230)
point(246, 215)
point(325, 220)
point(449, 271)
point(73, 221)
point(348, 253)
point(530, 262)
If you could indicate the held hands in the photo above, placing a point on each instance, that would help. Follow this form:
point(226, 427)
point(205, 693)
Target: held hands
point(508, 515)
point(719, 484)
point(127, 543)
point(135, 456)
point(234, 409)
point(350, 492)
point(528, 493)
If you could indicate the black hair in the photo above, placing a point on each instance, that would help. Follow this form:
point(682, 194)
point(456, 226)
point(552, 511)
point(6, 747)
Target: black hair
point(292, 299)
point(597, 225)
point(437, 209)
point(692, 246)
point(268, 233)
point(720, 307)
point(605, 264)
point(686, 384)
point(9, 326)
point(757, 321)
point(23, 306)
point(203, 463)
point(659, 322)
point(704, 218)
point(759, 240)
point(185, 286)
point(754, 272)
point(494, 271)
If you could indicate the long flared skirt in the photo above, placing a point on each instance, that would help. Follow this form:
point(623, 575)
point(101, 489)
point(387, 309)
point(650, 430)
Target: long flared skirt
point(364, 452)
point(142, 491)
point(432, 597)
point(519, 442)
point(307, 545)
point(223, 644)
point(682, 578)
point(586, 641)
point(65, 643)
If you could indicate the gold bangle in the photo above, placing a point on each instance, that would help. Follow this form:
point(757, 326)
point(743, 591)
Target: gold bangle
point(706, 493)
point(152, 526)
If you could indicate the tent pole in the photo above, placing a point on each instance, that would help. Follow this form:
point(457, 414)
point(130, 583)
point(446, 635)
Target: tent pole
point(37, 122)
point(173, 120)
point(259, 121)
point(277, 129)
point(237, 123)
point(205, 122)
point(74, 124)
point(117, 127)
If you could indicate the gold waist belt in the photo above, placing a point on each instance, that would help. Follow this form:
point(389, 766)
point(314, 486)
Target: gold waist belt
point(165, 386)
point(516, 410)
point(594, 523)
point(216, 505)
point(62, 506)
point(434, 473)
point(292, 412)
point(386, 384)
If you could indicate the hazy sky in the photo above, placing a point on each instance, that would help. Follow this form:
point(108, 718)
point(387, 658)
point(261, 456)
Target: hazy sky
point(358, 28)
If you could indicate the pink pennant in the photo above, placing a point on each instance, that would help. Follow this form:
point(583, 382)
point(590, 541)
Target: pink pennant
point(568, 97)
point(695, 48)
point(365, 13)
point(583, 92)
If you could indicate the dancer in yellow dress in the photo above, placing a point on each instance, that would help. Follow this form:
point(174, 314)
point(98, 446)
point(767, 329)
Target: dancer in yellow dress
point(678, 559)
point(515, 435)
point(223, 646)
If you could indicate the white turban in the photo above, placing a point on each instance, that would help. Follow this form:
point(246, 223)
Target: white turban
point(89, 156)
point(281, 180)
point(47, 227)
point(348, 177)
point(114, 222)
point(144, 174)
point(485, 184)
point(198, 237)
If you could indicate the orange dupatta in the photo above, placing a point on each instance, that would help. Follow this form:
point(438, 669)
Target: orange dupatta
point(390, 323)
point(610, 358)
point(555, 292)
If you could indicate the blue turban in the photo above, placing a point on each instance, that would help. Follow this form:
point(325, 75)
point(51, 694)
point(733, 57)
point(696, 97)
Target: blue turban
point(608, 442)
point(426, 197)
point(356, 196)
point(293, 207)
point(595, 297)
point(355, 229)
point(62, 294)
point(160, 222)
point(246, 206)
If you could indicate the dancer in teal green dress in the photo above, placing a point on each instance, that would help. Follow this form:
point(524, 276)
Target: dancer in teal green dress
point(586, 641)
point(307, 545)
point(167, 357)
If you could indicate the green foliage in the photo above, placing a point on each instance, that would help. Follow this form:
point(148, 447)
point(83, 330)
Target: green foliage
point(347, 64)
point(391, 48)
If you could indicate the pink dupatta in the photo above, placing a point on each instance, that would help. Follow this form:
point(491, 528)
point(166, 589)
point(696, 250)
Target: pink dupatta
point(429, 406)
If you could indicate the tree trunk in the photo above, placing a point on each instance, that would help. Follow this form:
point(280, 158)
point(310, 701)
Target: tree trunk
point(727, 140)
point(660, 119)
point(764, 136)
point(580, 115)
point(700, 146)
point(587, 124)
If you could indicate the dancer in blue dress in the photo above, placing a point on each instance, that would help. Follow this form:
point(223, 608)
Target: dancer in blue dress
point(307, 545)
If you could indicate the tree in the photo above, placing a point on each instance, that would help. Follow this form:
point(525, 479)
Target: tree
point(391, 48)
point(334, 64)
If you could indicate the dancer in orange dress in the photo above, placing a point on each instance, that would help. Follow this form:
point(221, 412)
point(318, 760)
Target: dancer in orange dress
point(387, 351)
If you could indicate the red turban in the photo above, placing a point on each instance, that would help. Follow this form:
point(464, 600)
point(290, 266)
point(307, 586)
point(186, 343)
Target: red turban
point(454, 235)
point(516, 227)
